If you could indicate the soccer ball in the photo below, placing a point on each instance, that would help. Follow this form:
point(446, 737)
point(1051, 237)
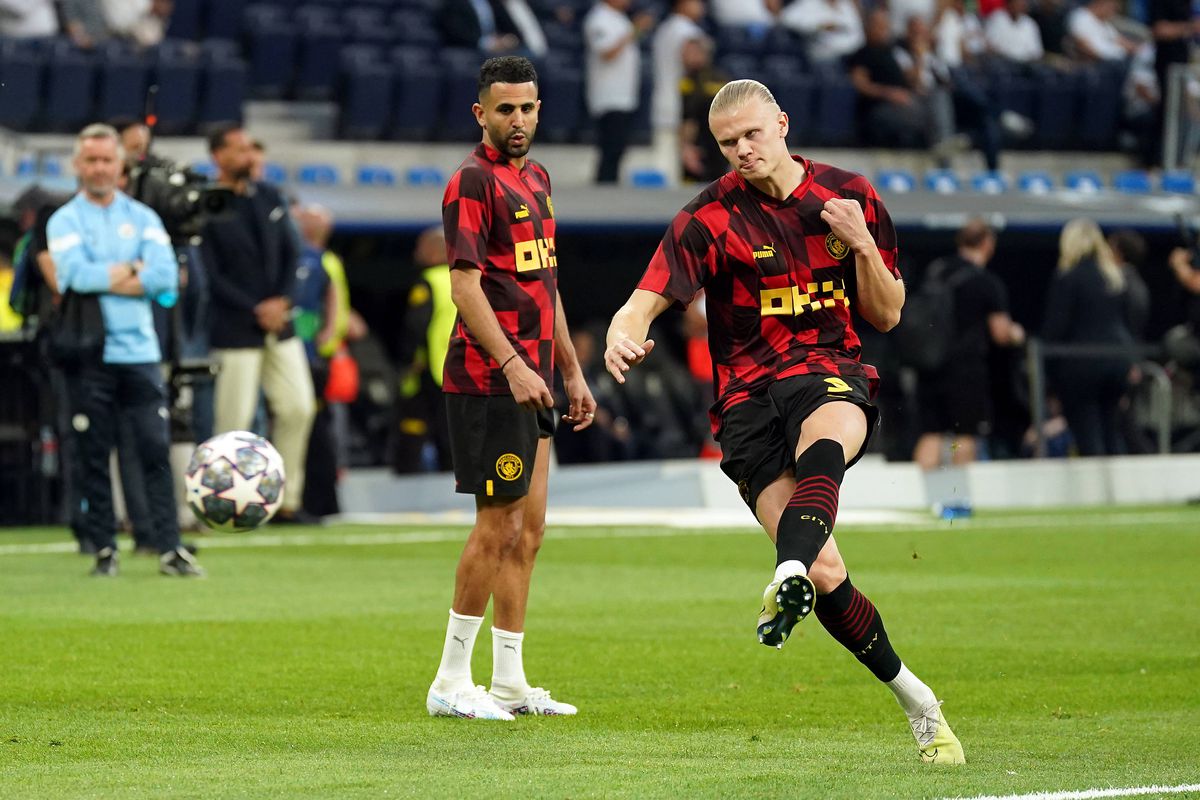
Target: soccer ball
point(235, 481)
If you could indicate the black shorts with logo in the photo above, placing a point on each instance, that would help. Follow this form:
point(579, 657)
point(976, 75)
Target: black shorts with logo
point(758, 436)
point(493, 442)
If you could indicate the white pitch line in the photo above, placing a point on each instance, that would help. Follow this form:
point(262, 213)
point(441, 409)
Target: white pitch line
point(1088, 794)
point(564, 529)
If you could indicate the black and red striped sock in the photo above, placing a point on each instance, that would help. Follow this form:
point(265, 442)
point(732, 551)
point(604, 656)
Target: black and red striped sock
point(807, 521)
point(853, 620)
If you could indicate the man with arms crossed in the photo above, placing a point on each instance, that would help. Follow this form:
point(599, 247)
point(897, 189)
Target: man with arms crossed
point(509, 333)
point(781, 245)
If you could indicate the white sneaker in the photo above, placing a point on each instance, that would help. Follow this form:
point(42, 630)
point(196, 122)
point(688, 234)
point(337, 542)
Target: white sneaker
point(471, 703)
point(538, 702)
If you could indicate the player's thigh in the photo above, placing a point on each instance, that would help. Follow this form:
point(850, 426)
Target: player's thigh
point(755, 454)
point(819, 406)
point(842, 421)
point(494, 443)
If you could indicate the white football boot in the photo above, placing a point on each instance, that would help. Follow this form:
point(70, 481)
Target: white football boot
point(471, 703)
point(537, 702)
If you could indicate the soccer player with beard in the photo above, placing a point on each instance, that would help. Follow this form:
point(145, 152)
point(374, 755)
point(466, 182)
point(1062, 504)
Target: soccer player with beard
point(509, 334)
point(781, 246)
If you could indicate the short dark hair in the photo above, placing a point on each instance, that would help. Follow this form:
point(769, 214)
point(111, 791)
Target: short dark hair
point(974, 234)
point(218, 135)
point(506, 69)
point(1129, 245)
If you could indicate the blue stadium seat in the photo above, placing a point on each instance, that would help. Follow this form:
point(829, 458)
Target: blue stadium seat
point(318, 175)
point(368, 25)
point(122, 86)
point(205, 168)
point(272, 47)
point(1099, 107)
point(319, 47)
point(370, 175)
point(897, 181)
point(648, 178)
point(177, 73)
point(1034, 182)
point(742, 65)
point(21, 76)
point(70, 98)
point(989, 182)
point(942, 181)
point(274, 172)
point(460, 90)
point(185, 20)
point(1131, 181)
point(563, 37)
point(1055, 118)
point(742, 39)
point(418, 91)
point(415, 27)
point(425, 176)
point(223, 18)
point(1179, 182)
point(366, 102)
point(27, 166)
point(218, 50)
point(1083, 180)
point(223, 92)
point(561, 91)
point(834, 122)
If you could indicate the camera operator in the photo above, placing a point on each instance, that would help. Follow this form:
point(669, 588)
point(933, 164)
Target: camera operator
point(104, 242)
point(251, 255)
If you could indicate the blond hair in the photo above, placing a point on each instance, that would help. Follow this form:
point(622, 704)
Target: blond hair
point(1081, 239)
point(99, 131)
point(735, 94)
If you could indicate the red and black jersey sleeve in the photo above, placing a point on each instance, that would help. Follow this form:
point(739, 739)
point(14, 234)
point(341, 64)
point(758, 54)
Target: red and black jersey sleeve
point(687, 256)
point(467, 218)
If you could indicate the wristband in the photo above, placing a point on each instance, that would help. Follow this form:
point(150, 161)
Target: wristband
point(505, 364)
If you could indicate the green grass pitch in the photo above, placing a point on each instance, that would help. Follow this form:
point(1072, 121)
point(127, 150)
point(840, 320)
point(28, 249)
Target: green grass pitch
point(1066, 648)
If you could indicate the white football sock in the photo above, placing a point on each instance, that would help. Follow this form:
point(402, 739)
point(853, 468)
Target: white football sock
point(910, 692)
point(454, 673)
point(789, 568)
point(508, 667)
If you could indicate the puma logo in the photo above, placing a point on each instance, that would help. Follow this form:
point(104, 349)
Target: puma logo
point(462, 641)
point(512, 647)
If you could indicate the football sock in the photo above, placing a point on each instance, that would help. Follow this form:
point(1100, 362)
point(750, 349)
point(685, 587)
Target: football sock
point(910, 692)
point(789, 568)
point(508, 669)
point(807, 521)
point(455, 670)
point(852, 619)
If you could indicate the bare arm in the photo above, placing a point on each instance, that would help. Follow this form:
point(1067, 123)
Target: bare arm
point(627, 345)
point(582, 406)
point(528, 388)
point(880, 293)
point(1004, 331)
point(1181, 264)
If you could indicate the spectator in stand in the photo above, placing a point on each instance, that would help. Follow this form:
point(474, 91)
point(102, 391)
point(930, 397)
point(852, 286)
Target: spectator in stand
point(891, 113)
point(1173, 26)
point(958, 35)
point(666, 111)
point(1051, 19)
point(700, 153)
point(901, 11)
point(83, 22)
point(832, 29)
point(477, 23)
point(614, 73)
point(758, 14)
point(28, 19)
point(1094, 37)
point(141, 22)
point(1013, 35)
point(1141, 109)
point(527, 27)
point(1087, 305)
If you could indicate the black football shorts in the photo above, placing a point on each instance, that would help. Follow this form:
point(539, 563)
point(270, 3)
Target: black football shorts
point(758, 436)
point(493, 442)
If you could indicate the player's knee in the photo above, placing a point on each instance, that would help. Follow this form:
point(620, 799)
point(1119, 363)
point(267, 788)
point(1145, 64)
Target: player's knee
point(827, 574)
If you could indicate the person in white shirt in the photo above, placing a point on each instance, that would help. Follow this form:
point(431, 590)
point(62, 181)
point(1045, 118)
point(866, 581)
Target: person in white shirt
point(746, 13)
point(28, 19)
point(1094, 36)
point(1013, 35)
point(957, 34)
point(902, 11)
point(614, 71)
point(666, 105)
point(832, 29)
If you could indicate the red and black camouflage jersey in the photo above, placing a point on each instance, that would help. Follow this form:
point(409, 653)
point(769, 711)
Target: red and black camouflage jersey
point(778, 284)
point(500, 221)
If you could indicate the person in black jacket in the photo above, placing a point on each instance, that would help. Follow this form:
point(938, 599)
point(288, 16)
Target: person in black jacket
point(251, 255)
point(1087, 306)
point(477, 23)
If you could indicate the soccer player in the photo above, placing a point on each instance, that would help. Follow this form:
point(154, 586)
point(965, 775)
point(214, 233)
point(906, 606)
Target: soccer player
point(509, 334)
point(782, 245)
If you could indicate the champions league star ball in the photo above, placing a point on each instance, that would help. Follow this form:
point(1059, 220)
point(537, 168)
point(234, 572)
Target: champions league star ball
point(235, 481)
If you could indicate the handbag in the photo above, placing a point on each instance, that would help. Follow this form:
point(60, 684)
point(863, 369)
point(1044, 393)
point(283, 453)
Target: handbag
point(76, 331)
point(342, 384)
